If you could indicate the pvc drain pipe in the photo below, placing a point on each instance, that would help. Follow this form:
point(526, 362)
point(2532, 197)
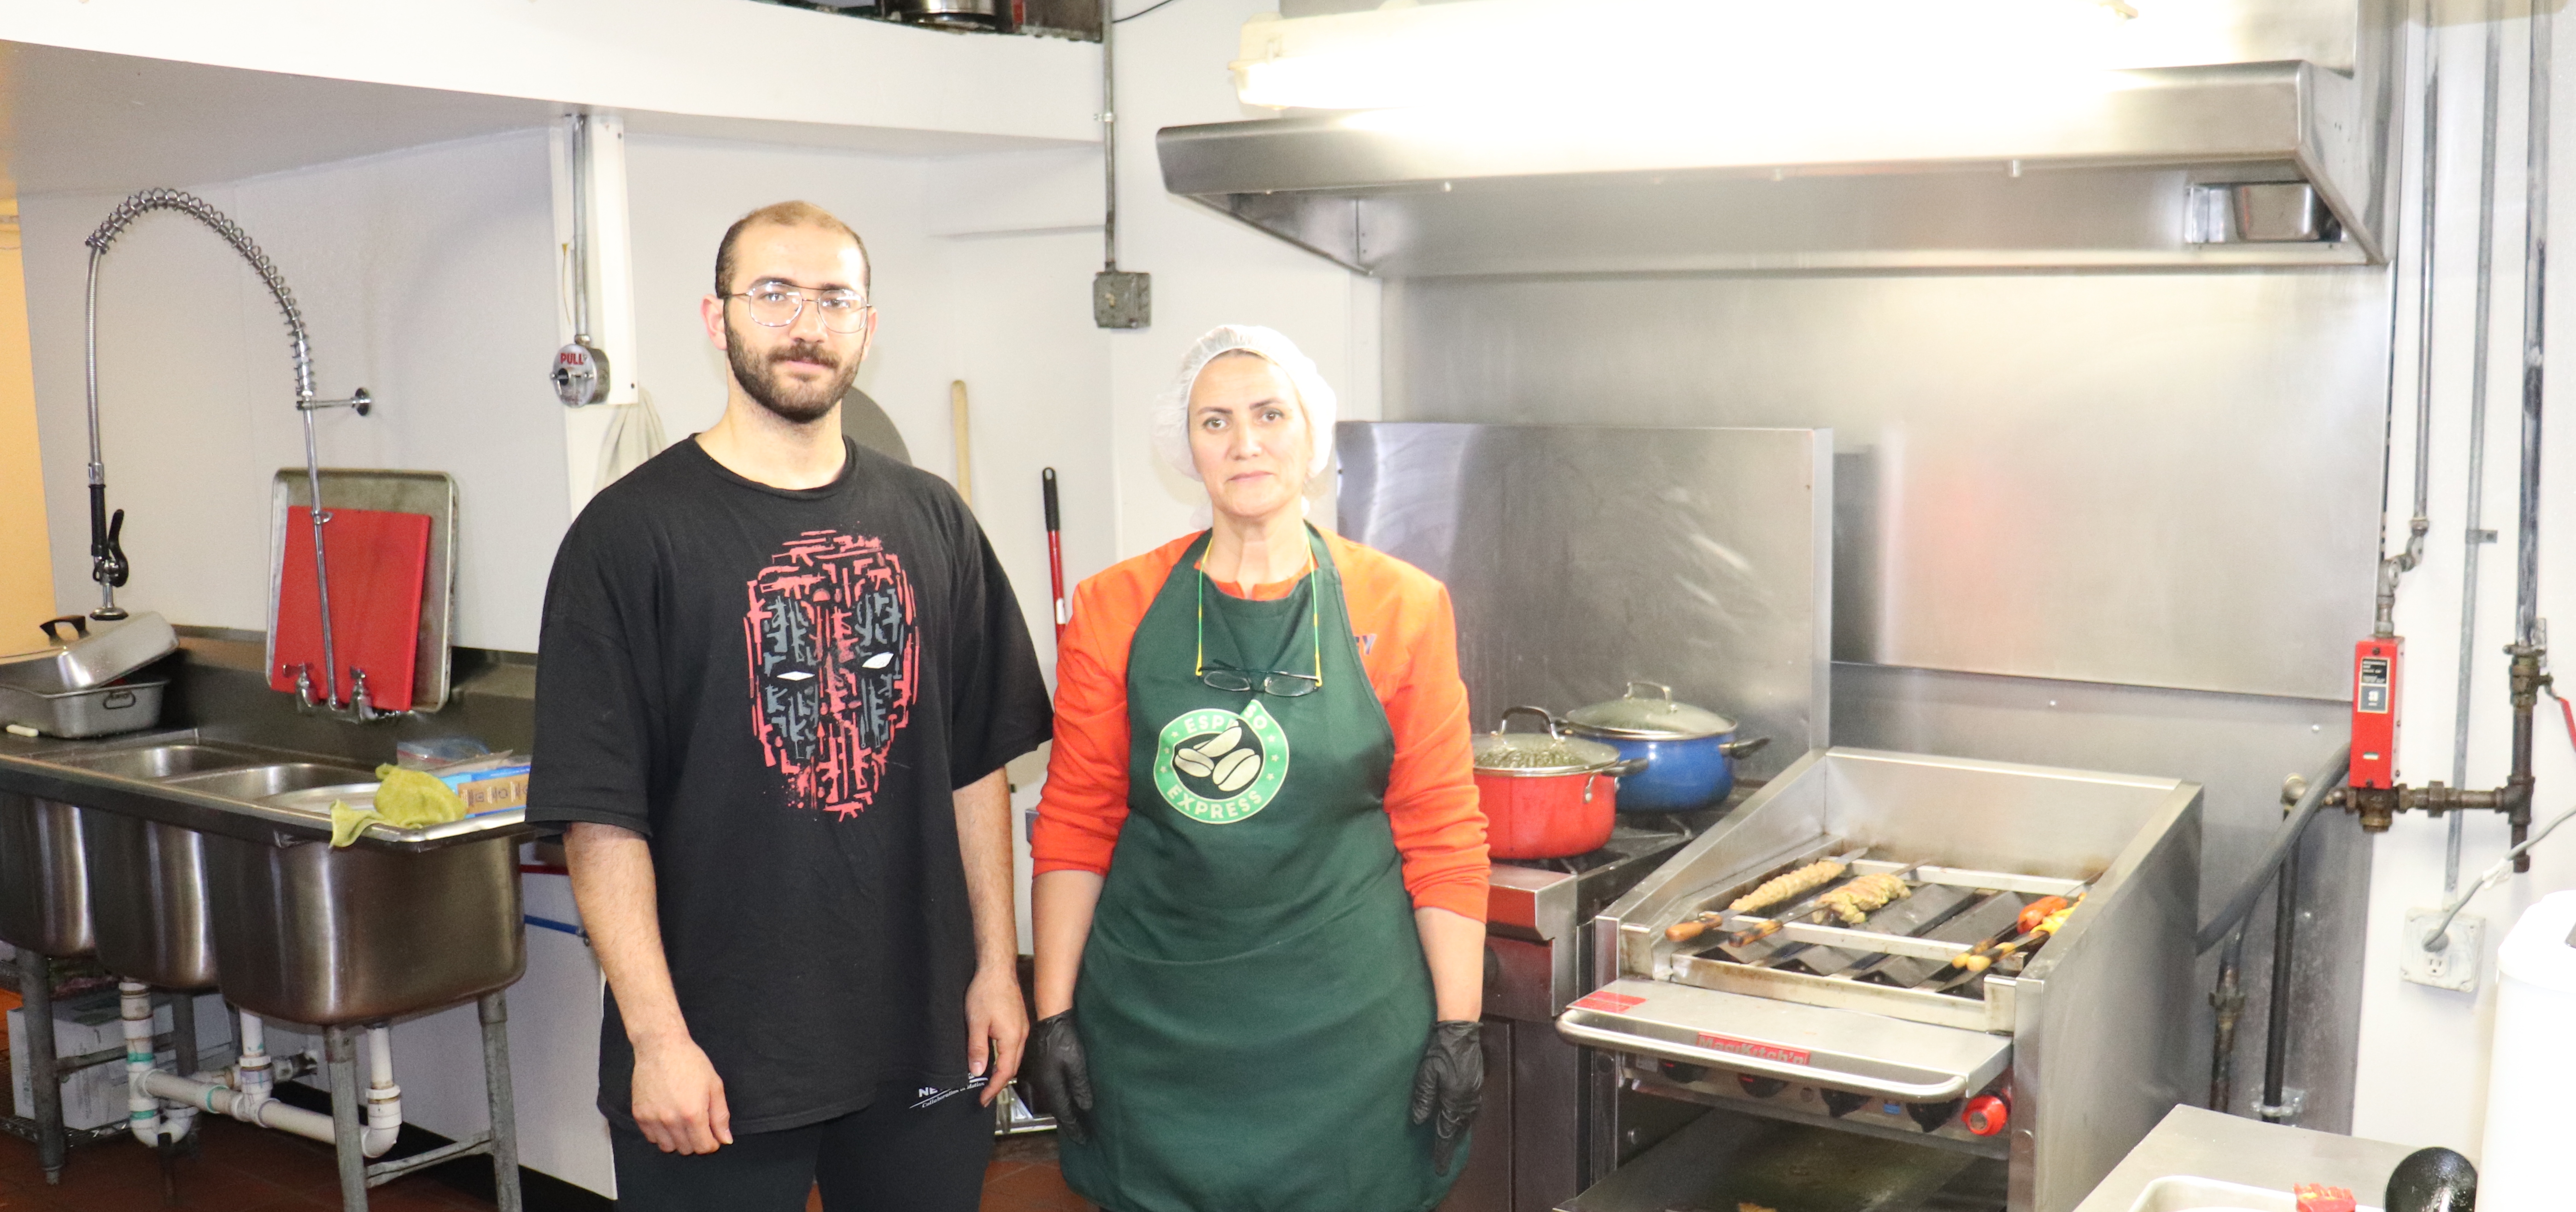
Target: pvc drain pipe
point(144, 1114)
point(384, 1098)
point(162, 1104)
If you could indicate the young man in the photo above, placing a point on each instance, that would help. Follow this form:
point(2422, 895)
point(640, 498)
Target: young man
point(779, 677)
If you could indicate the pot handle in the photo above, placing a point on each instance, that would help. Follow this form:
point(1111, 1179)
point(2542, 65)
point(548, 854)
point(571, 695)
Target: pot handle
point(1504, 724)
point(1621, 770)
point(78, 623)
point(1737, 749)
point(1666, 696)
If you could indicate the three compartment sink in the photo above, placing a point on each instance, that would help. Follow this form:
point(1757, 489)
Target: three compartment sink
point(147, 880)
point(187, 864)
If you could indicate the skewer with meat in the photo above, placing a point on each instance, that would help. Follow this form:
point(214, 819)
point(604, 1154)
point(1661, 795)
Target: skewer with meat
point(2031, 940)
point(1855, 901)
point(1776, 890)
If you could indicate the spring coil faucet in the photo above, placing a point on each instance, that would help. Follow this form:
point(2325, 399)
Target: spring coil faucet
point(108, 565)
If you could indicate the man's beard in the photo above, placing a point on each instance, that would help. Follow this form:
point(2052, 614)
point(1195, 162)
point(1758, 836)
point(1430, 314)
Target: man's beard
point(801, 404)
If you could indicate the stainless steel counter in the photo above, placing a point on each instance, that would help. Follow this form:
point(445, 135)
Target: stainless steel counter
point(54, 771)
point(2194, 1141)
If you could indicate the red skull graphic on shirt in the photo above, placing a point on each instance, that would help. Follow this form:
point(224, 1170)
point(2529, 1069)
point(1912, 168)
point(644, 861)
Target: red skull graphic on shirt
point(835, 666)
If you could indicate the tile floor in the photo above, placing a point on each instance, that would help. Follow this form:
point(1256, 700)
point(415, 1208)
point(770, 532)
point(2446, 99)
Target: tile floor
point(246, 1169)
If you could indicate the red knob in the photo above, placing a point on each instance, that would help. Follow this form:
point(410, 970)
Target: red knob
point(1986, 1115)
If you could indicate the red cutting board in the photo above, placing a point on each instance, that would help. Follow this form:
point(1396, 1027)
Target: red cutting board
point(378, 560)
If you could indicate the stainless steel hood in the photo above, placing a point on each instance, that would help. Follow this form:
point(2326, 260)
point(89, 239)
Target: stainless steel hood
point(2231, 164)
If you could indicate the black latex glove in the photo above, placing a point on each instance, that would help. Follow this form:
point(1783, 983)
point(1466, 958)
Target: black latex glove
point(1059, 1076)
point(1449, 1086)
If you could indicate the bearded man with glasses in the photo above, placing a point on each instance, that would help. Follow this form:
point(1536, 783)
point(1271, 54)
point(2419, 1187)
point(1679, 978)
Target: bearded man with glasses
point(779, 677)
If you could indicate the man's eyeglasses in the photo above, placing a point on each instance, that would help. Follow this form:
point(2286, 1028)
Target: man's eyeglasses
point(777, 304)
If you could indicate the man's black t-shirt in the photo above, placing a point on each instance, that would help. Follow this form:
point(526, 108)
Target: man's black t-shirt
point(781, 688)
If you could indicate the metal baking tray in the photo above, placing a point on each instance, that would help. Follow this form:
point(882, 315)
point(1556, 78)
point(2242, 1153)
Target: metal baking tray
point(1722, 1162)
point(31, 699)
point(429, 492)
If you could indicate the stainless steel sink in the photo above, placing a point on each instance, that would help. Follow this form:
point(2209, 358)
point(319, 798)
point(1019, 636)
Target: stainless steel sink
point(261, 782)
point(312, 934)
point(147, 880)
point(164, 761)
point(209, 860)
point(147, 885)
point(44, 884)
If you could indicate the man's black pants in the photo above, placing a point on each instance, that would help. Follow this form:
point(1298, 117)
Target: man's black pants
point(886, 1157)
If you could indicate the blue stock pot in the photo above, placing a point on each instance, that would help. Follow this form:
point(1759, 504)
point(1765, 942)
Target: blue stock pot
point(1689, 751)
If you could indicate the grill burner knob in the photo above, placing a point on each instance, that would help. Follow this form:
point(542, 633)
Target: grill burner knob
point(1843, 1102)
point(1933, 1115)
point(1681, 1072)
point(1760, 1087)
point(1986, 1115)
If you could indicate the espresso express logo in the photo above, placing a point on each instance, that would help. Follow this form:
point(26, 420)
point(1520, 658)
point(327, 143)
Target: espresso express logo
point(1217, 766)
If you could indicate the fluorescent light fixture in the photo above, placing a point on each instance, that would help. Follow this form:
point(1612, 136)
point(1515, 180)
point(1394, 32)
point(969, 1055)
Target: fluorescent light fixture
point(1717, 57)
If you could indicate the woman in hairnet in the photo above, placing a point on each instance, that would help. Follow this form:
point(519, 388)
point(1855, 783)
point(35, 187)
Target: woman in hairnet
point(1260, 862)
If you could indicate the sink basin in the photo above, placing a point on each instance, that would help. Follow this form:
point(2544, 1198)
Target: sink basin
point(315, 935)
point(44, 884)
point(147, 892)
point(163, 761)
point(147, 880)
point(261, 782)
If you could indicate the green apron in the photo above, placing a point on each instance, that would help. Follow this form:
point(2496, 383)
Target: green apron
point(1253, 998)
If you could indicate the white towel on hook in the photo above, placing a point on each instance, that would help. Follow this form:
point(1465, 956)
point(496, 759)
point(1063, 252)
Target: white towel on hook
point(634, 435)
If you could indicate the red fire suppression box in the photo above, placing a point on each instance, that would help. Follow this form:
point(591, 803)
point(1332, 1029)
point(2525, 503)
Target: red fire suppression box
point(2374, 712)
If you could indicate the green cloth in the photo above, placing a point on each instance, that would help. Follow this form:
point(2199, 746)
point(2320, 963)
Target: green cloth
point(406, 799)
point(1253, 997)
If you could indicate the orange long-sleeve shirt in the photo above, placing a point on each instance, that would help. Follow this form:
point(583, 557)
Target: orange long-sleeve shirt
point(1408, 639)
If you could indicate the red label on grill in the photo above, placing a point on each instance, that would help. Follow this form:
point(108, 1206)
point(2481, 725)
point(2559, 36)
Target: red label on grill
point(1745, 1047)
point(1606, 1000)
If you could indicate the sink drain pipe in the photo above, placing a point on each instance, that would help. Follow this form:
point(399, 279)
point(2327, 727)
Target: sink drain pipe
point(162, 1104)
point(145, 1116)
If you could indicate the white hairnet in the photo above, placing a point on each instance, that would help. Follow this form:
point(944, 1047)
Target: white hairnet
point(1171, 425)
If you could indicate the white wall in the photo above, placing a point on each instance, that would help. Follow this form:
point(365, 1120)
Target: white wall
point(1208, 269)
point(699, 59)
point(2424, 1052)
point(423, 275)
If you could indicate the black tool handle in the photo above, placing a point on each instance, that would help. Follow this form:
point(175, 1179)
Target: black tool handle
point(117, 569)
point(98, 521)
point(1046, 481)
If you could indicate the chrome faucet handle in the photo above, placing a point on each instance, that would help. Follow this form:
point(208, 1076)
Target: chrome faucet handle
point(304, 689)
point(359, 705)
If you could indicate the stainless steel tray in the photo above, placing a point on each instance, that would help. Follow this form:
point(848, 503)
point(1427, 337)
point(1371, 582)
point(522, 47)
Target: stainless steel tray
point(1820, 1045)
point(30, 698)
point(429, 492)
point(1720, 1161)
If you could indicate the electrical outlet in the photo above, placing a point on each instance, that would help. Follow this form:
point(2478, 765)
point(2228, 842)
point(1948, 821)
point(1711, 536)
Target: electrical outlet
point(2453, 967)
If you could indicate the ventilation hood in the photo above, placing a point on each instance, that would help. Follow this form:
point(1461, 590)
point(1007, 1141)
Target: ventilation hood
point(1841, 161)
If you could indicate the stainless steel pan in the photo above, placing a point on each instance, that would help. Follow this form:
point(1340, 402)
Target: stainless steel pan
point(32, 695)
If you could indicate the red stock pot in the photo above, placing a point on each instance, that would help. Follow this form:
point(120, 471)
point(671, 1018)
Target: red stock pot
point(1546, 795)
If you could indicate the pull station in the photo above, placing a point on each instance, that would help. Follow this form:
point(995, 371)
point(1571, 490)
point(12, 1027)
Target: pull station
point(580, 375)
point(2374, 711)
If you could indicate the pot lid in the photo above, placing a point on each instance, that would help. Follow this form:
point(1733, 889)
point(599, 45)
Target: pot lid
point(1533, 754)
point(1641, 715)
point(86, 660)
